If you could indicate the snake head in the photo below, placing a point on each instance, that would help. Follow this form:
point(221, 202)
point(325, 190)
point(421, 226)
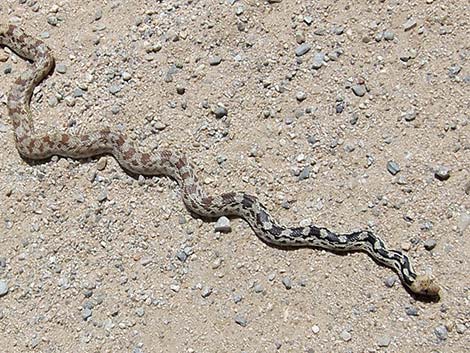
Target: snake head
point(425, 285)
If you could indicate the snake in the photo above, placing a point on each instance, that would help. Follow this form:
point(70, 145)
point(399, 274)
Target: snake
point(174, 164)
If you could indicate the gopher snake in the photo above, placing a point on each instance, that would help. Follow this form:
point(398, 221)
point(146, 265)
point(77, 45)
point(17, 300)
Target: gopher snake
point(175, 165)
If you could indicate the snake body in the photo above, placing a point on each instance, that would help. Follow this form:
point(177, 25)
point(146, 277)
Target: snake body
point(174, 164)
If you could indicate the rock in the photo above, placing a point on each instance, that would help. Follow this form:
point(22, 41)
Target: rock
point(206, 291)
point(308, 20)
point(318, 60)
point(3, 288)
point(126, 76)
point(53, 101)
point(393, 167)
point(442, 173)
point(113, 89)
point(454, 70)
point(389, 35)
point(305, 173)
point(410, 116)
point(140, 311)
point(315, 329)
point(430, 244)
point(61, 68)
point(220, 112)
point(300, 96)
point(345, 336)
point(384, 341)
point(359, 90)
point(390, 281)
point(240, 320)
point(223, 225)
point(181, 255)
point(411, 311)
point(287, 282)
point(101, 165)
point(302, 49)
point(180, 89)
point(215, 60)
point(464, 222)
point(86, 313)
point(409, 24)
point(258, 288)
point(441, 332)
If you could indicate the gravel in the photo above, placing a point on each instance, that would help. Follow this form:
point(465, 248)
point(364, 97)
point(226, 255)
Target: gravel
point(303, 49)
point(345, 336)
point(3, 288)
point(359, 90)
point(241, 320)
point(441, 332)
point(430, 244)
point(220, 112)
point(223, 225)
point(393, 168)
point(442, 173)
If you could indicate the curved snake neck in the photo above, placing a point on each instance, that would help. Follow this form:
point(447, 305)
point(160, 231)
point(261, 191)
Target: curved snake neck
point(175, 165)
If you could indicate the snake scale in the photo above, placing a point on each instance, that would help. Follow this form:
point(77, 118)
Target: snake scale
point(175, 165)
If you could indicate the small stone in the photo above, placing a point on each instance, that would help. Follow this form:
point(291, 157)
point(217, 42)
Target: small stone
point(441, 332)
point(430, 244)
point(384, 341)
point(61, 68)
point(305, 173)
point(206, 291)
point(464, 222)
point(308, 20)
point(359, 90)
point(393, 167)
point(126, 76)
point(286, 281)
point(52, 101)
point(140, 311)
point(454, 70)
point(302, 49)
point(215, 60)
point(240, 320)
point(180, 89)
point(460, 328)
point(115, 109)
point(318, 60)
point(223, 225)
point(315, 329)
point(345, 336)
point(102, 196)
point(101, 163)
point(220, 112)
point(300, 96)
point(390, 281)
point(442, 173)
point(181, 255)
point(410, 116)
point(409, 24)
point(78, 92)
point(86, 313)
point(52, 20)
point(258, 288)
point(113, 89)
point(237, 298)
point(3, 288)
point(389, 35)
point(411, 311)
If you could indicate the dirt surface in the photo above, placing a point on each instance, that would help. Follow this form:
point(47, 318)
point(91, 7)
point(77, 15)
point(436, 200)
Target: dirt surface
point(369, 128)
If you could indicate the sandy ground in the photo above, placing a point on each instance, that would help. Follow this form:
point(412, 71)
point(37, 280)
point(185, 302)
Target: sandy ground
point(94, 260)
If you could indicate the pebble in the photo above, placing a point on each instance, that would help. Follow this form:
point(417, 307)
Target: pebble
point(410, 116)
point(390, 281)
point(359, 90)
point(86, 313)
point(52, 101)
point(78, 92)
point(302, 49)
point(389, 35)
point(140, 312)
point(113, 89)
point(7, 69)
point(220, 112)
point(393, 167)
point(442, 173)
point(460, 328)
point(308, 20)
point(305, 173)
point(206, 291)
point(345, 336)
point(300, 96)
point(409, 24)
point(454, 70)
point(315, 329)
point(180, 89)
point(241, 320)
point(3, 288)
point(102, 162)
point(61, 68)
point(464, 222)
point(102, 196)
point(181, 255)
point(318, 60)
point(411, 311)
point(223, 225)
point(286, 281)
point(52, 20)
point(441, 332)
point(384, 341)
point(126, 76)
point(258, 288)
point(430, 244)
point(237, 298)
point(215, 60)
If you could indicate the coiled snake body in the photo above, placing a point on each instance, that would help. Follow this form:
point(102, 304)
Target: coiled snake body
point(175, 165)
